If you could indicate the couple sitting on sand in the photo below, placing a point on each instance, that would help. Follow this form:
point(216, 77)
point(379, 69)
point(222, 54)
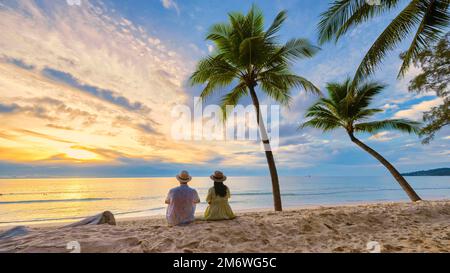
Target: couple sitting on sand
point(182, 201)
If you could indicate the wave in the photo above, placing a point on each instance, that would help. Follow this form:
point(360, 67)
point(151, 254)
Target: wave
point(54, 201)
point(78, 217)
point(50, 193)
point(144, 198)
point(139, 211)
point(332, 192)
point(140, 198)
point(42, 220)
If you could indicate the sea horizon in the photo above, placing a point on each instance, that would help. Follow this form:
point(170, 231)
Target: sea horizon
point(60, 200)
point(199, 176)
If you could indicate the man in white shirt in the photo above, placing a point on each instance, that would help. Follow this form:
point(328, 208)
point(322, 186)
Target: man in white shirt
point(182, 202)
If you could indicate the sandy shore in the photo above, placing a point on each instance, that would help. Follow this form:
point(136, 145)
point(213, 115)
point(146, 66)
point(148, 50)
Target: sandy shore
point(397, 227)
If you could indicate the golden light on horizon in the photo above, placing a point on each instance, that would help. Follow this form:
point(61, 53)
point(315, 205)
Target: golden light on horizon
point(81, 155)
point(65, 108)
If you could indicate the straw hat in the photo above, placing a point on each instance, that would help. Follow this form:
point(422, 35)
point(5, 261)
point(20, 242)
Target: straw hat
point(184, 177)
point(218, 177)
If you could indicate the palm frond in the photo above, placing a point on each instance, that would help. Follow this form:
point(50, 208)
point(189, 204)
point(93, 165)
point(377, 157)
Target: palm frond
point(365, 94)
point(279, 85)
point(294, 49)
point(276, 25)
point(298, 49)
point(305, 84)
point(334, 107)
point(213, 67)
point(347, 106)
point(365, 114)
point(247, 54)
point(254, 23)
point(219, 31)
point(285, 79)
point(276, 90)
point(402, 125)
point(394, 34)
point(338, 91)
point(215, 72)
point(319, 110)
point(323, 124)
point(343, 15)
point(219, 34)
point(232, 98)
point(252, 51)
point(435, 20)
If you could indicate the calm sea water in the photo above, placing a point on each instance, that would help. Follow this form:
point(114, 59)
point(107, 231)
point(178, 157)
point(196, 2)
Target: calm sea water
point(27, 201)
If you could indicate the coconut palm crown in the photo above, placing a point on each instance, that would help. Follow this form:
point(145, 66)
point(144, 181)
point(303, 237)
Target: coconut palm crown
point(426, 21)
point(253, 61)
point(348, 107)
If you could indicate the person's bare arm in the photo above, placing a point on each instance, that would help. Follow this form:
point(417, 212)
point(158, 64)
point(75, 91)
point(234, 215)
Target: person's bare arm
point(168, 199)
point(197, 198)
point(209, 197)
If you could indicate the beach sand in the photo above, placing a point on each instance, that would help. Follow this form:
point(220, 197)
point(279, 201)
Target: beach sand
point(397, 227)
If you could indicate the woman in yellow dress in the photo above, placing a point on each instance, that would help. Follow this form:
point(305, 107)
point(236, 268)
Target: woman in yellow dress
point(217, 198)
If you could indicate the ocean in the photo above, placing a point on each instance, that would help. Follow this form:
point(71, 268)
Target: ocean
point(35, 201)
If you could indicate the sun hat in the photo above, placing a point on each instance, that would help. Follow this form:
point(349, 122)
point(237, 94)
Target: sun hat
point(184, 177)
point(218, 177)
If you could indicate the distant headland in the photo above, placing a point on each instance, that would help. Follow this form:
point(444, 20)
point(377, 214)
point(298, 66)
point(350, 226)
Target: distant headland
point(434, 172)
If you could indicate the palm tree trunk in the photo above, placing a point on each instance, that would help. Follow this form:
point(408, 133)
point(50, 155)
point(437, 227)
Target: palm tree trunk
point(400, 179)
point(269, 155)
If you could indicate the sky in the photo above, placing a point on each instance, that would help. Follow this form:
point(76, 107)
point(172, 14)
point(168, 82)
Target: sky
point(87, 88)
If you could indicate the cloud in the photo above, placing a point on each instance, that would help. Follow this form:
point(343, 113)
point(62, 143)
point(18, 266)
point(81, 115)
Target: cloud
point(67, 73)
point(7, 136)
point(384, 136)
point(48, 109)
point(389, 106)
point(36, 110)
point(40, 135)
point(97, 92)
point(20, 63)
point(210, 48)
point(170, 4)
point(60, 127)
point(416, 111)
point(399, 92)
point(147, 127)
point(5, 108)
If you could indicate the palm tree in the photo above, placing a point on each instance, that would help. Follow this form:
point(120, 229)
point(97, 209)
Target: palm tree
point(248, 57)
point(426, 20)
point(348, 107)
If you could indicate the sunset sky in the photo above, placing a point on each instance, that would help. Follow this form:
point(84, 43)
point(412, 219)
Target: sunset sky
point(88, 91)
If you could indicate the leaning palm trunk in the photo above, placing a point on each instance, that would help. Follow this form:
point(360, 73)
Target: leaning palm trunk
point(348, 107)
point(249, 56)
point(400, 179)
point(269, 155)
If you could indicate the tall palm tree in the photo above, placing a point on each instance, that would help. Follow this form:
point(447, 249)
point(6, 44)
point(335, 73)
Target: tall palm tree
point(248, 57)
point(425, 20)
point(348, 107)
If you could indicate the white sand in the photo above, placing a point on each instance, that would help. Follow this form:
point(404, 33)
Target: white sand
point(398, 227)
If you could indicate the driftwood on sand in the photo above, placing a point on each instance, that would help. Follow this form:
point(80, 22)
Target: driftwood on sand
point(105, 218)
point(14, 232)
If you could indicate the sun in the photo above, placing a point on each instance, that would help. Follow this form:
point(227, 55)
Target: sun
point(81, 155)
